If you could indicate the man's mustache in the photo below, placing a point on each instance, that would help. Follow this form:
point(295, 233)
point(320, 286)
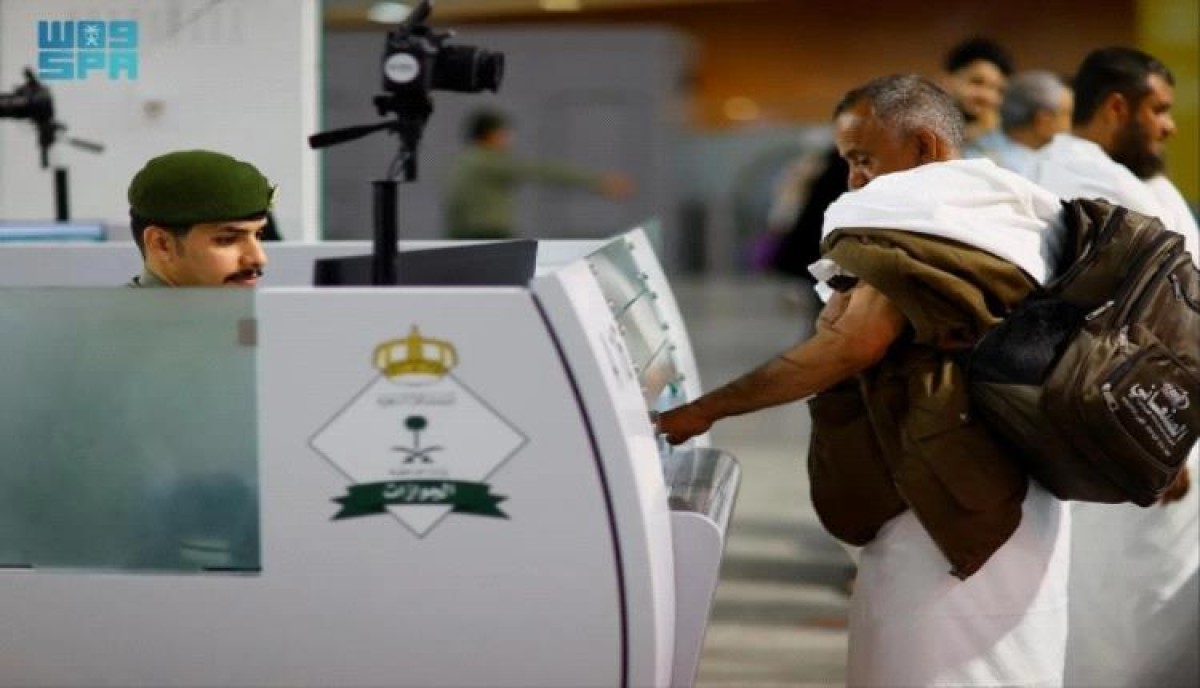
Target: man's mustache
point(242, 275)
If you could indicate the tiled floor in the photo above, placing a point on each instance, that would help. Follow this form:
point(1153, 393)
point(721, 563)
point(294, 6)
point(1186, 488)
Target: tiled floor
point(780, 613)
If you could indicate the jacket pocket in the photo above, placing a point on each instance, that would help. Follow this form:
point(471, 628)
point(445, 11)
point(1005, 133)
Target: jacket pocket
point(851, 487)
point(978, 470)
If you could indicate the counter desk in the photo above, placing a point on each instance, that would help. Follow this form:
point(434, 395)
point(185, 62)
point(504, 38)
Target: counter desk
point(426, 486)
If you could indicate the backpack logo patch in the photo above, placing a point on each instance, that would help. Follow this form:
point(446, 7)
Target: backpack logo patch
point(1155, 410)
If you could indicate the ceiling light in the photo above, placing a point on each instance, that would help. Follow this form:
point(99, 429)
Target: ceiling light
point(741, 109)
point(388, 12)
point(561, 5)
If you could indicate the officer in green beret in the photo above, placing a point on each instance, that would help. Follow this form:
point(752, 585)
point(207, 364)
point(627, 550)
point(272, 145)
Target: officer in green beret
point(198, 218)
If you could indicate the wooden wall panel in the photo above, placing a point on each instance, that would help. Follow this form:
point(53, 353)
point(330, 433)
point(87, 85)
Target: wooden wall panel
point(795, 58)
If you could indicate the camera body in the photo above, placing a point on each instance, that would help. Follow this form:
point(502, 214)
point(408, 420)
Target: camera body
point(418, 60)
point(30, 101)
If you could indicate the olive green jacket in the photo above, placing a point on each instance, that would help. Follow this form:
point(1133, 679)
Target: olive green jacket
point(482, 184)
point(902, 436)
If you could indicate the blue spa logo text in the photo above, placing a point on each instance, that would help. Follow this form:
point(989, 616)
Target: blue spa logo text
point(79, 50)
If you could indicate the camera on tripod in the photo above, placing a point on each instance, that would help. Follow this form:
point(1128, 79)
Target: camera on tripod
point(34, 102)
point(30, 101)
point(417, 59)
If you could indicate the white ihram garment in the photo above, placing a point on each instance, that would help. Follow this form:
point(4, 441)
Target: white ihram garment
point(1135, 604)
point(911, 622)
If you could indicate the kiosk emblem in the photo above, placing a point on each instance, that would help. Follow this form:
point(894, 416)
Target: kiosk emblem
point(417, 442)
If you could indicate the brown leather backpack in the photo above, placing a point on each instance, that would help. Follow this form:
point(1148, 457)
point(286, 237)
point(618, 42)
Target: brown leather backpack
point(1095, 378)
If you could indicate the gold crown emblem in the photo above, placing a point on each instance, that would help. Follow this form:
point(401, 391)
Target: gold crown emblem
point(415, 355)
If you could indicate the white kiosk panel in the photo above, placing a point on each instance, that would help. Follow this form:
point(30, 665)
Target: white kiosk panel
point(456, 486)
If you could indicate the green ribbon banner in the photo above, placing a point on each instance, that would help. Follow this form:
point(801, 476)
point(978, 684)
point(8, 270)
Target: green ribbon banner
point(466, 497)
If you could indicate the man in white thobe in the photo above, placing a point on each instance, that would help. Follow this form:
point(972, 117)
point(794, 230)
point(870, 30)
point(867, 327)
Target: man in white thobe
point(1135, 605)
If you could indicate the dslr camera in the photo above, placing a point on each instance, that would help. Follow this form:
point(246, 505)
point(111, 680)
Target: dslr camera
point(418, 59)
point(30, 101)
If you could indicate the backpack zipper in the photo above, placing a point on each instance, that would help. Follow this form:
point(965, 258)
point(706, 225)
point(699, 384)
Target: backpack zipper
point(1101, 237)
point(1106, 390)
point(1118, 372)
point(1145, 287)
point(1099, 311)
point(1181, 295)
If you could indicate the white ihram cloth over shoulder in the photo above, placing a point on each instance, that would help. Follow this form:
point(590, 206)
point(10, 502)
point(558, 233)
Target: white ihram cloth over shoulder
point(1176, 214)
point(1135, 597)
point(1074, 167)
point(974, 201)
point(911, 622)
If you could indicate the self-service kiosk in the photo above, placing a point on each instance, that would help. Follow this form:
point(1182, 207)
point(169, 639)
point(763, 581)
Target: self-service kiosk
point(403, 486)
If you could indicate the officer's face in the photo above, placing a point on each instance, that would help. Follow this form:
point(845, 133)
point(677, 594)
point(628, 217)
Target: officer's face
point(224, 254)
point(870, 148)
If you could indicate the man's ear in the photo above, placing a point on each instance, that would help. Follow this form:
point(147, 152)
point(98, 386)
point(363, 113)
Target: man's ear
point(1044, 123)
point(930, 147)
point(1043, 117)
point(1116, 107)
point(159, 242)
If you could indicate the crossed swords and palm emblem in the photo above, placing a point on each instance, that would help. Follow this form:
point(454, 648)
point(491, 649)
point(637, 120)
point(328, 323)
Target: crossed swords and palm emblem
point(415, 424)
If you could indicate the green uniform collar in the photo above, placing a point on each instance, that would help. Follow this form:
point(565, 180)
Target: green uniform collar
point(147, 279)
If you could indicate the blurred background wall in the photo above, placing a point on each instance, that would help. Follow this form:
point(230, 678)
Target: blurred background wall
point(706, 104)
point(741, 88)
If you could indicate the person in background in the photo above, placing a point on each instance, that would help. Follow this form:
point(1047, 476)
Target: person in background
point(480, 191)
point(197, 217)
point(975, 74)
point(963, 573)
point(801, 245)
point(1037, 105)
point(1134, 595)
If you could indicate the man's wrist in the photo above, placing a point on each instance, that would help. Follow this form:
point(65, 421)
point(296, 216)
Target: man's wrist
point(705, 409)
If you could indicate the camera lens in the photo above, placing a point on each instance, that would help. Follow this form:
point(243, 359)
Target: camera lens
point(467, 69)
point(36, 106)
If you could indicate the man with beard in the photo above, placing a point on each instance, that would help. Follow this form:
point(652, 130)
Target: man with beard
point(1134, 600)
point(198, 219)
point(1116, 148)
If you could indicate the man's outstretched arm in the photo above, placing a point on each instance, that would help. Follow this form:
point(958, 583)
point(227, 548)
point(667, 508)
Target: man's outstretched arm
point(854, 332)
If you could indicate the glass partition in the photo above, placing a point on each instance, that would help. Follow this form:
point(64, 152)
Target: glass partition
point(128, 429)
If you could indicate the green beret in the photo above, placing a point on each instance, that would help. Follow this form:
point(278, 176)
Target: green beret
point(185, 188)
